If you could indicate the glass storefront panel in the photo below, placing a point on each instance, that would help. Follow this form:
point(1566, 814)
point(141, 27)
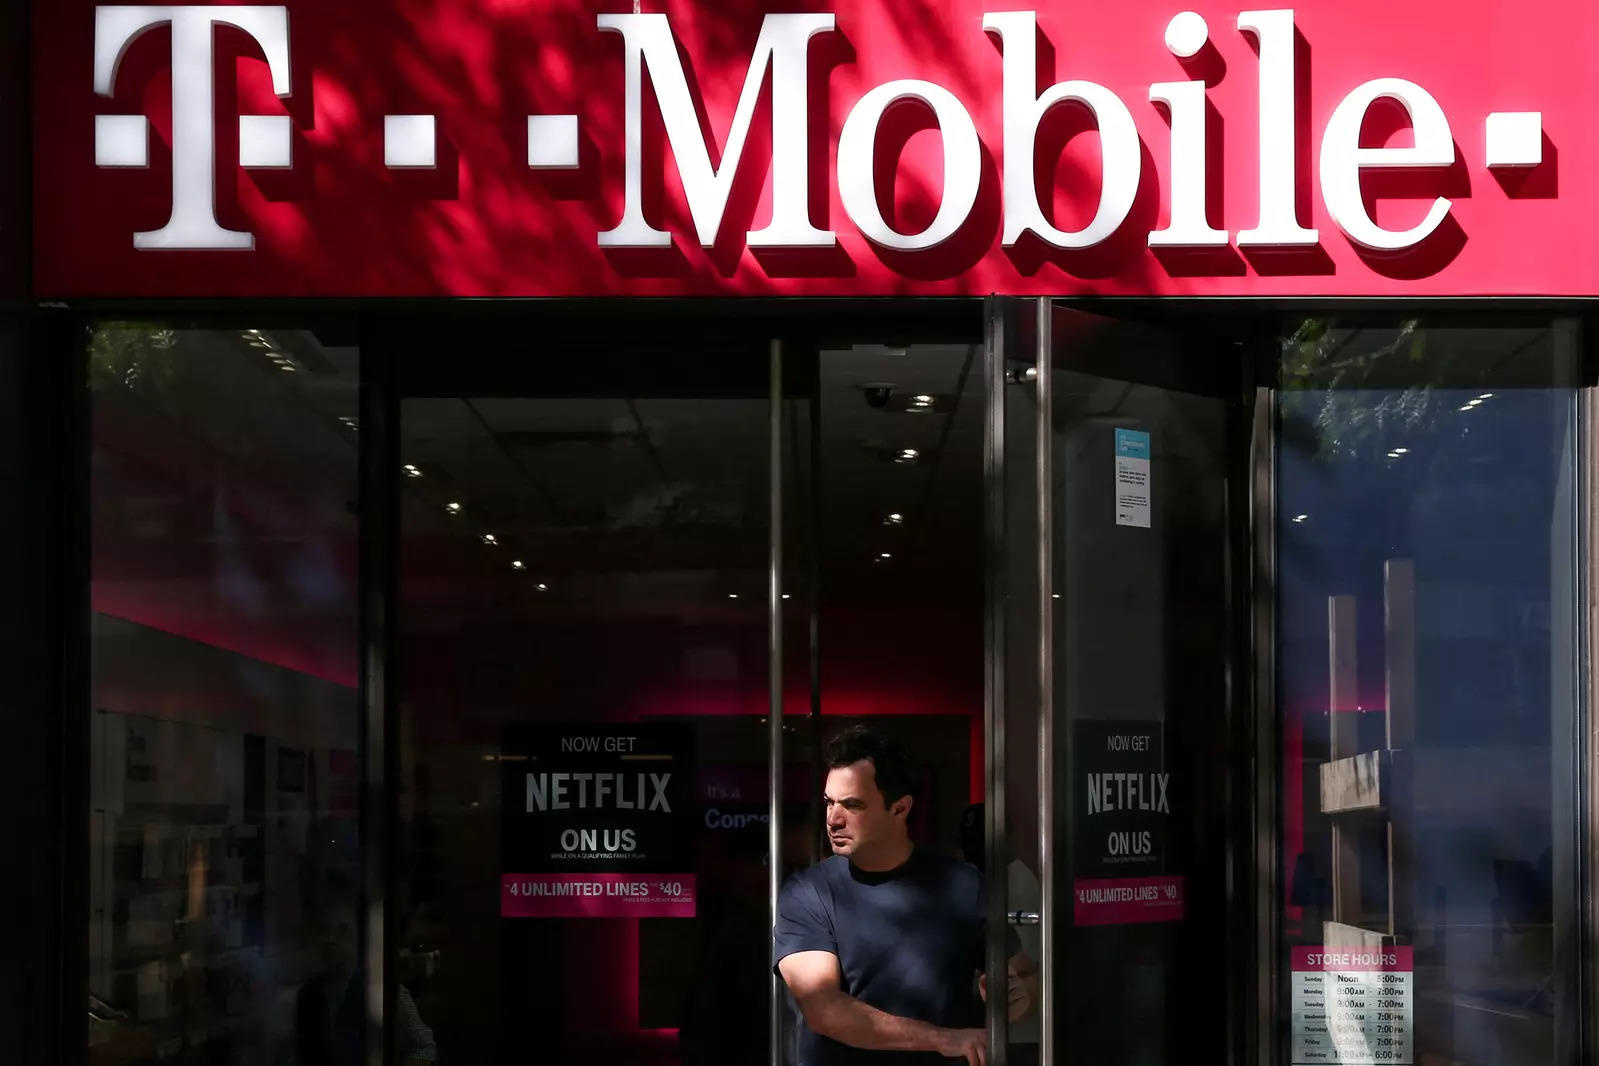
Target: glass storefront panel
point(884, 523)
point(1428, 685)
point(899, 534)
point(224, 855)
point(1144, 654)
point(583, 671)
point(582, 649)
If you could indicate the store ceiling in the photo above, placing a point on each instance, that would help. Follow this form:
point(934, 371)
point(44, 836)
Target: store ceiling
point(667, 497)
point(632, 491)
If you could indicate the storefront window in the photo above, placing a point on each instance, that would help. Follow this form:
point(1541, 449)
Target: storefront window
point(1428, 679)
point(224, 857)
point(583, 671)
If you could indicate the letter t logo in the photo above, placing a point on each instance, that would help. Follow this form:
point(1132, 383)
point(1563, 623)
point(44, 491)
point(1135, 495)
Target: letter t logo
point(193, 223)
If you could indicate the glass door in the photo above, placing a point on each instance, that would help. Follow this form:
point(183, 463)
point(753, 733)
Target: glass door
point(581, 653)
point(1117, 684)
point(618, 555)
point(646, 575)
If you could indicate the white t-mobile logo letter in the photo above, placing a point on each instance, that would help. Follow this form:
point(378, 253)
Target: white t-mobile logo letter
point(193, 223)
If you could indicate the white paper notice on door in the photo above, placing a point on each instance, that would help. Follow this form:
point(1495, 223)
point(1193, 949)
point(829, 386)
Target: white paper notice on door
point(1132, 478)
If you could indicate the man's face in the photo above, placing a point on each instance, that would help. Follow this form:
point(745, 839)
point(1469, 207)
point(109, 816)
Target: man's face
point(339, 941)
point(859, 821)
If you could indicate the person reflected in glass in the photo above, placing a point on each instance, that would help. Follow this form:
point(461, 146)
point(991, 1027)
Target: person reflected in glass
point(1023, 895)
point(882, 944)
point(330, 1009)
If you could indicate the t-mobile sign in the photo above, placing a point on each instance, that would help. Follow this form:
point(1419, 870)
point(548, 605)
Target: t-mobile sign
point(597, 821)
point(483, 148)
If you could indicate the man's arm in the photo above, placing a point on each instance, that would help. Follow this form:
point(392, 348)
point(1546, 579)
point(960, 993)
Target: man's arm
point(813, 978)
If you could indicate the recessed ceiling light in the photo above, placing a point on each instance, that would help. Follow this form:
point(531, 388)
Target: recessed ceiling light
point(1486, 396)
point(490, 538)
point(732, 595)
point(894, 519)
point(1469, 406)
point(517, 564)
point(453, 507)
point(907, 455)
point(1300, 517)
point(1054, 595)
point(543, 587)
point(412, 470)
point(286, 367)
point(884, 555)
point(785, 595)
point(1401, 451)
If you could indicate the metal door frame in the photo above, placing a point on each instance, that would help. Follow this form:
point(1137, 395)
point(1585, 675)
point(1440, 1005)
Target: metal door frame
point(1250, 991)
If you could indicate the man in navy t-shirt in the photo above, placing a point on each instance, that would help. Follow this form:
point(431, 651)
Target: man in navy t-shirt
point(882, 944)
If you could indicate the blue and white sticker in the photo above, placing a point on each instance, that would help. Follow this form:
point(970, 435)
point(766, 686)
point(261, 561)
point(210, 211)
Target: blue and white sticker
point(1132, 478)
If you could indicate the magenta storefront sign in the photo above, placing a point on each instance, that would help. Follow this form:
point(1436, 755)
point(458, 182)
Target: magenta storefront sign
point(522, 148)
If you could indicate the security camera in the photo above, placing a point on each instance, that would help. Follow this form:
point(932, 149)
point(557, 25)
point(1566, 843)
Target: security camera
point(877, 393)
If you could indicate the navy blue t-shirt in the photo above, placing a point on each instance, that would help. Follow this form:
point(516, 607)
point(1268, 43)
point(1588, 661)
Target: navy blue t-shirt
point(908, 941)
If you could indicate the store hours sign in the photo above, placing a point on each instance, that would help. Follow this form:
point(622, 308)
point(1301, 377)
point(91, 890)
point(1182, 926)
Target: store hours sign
point(597, 821)
point(1353, 1006)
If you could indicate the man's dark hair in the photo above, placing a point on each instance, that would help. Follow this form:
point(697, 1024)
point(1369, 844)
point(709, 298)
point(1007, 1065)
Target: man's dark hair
point(891, 766)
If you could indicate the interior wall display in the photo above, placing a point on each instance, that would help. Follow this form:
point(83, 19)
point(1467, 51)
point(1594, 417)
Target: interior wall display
point(1352, 1006)
point(598, 821)
point(1132, 478)
point(1123, 806)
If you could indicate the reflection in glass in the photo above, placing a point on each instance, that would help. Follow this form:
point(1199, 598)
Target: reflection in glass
point(594, 716)
point(1141, 652)
point(1427, 547)
point(224, 769)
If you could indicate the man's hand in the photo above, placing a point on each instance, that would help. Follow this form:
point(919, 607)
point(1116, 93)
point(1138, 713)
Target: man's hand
point(968, 1044)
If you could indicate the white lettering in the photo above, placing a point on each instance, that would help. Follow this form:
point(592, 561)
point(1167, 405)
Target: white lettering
point(1118, 138)
point(193, 223)
point(1187, 226)
point(659, 801)
point(857, 153)
point(1122, 792)
point(783, 45)
point(1342, 160)
point(1278, 226)
point(554, 791)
